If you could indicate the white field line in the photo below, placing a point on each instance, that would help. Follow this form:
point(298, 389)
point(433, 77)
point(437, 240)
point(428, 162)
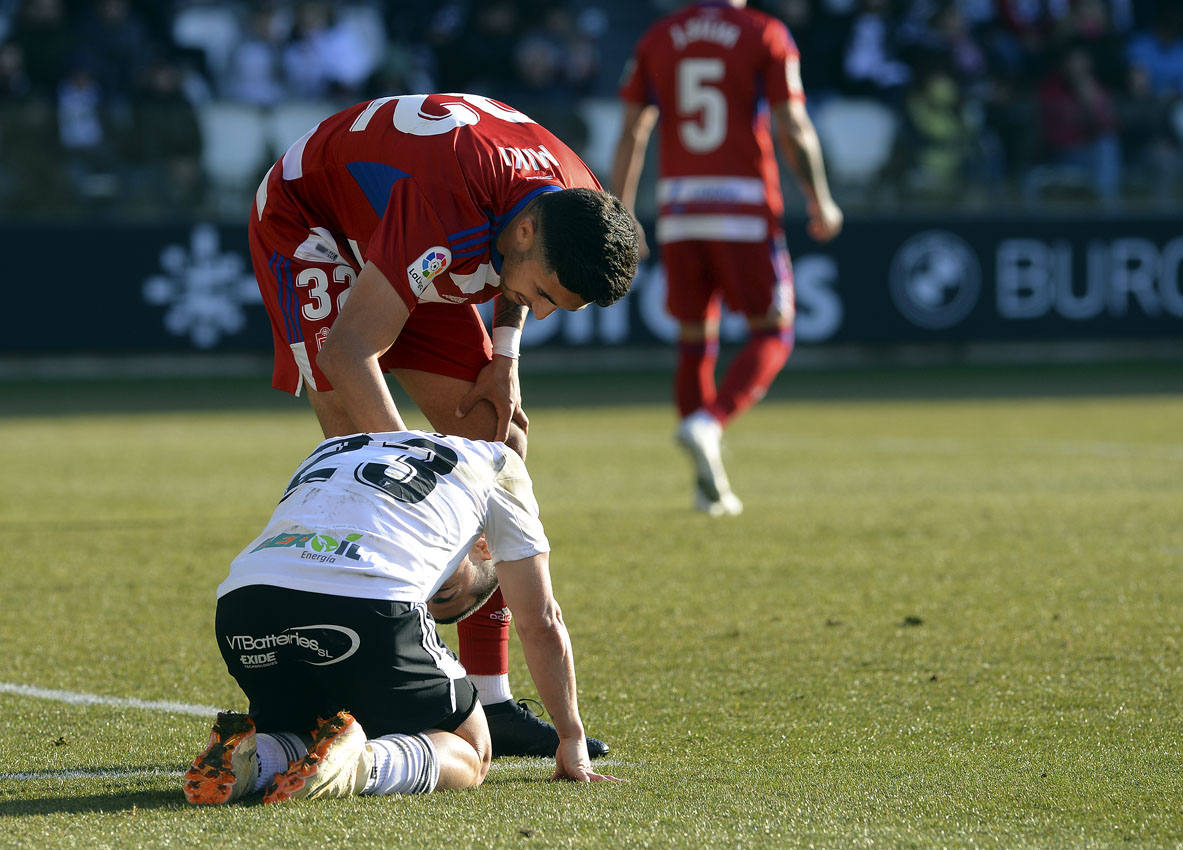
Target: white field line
point(74, 698)
point(89, 774)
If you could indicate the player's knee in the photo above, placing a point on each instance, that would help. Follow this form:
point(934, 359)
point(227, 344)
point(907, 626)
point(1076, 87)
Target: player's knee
point(460, 765)
point(782, 322)
point(484, 760)
point(472, 751)
point(695, 332)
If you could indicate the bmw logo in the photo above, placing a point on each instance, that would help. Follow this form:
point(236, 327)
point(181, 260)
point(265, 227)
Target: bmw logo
point(935, 279)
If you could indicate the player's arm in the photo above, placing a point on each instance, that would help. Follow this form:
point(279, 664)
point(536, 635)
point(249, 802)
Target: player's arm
point(525, 584)
point(639, 120)
point(370, 322)
point(799, 142)
point(498, 382)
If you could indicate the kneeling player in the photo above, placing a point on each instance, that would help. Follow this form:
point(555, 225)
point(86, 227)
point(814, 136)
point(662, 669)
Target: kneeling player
point(325, 623)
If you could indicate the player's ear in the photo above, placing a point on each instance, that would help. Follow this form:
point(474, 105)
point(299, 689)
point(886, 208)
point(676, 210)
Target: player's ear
point(525, 231)
point(481, 548)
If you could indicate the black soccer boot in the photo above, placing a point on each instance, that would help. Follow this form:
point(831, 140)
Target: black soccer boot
point(517, 731)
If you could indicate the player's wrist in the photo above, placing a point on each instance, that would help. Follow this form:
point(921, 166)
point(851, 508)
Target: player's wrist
point(507, 342)
point(569, 729)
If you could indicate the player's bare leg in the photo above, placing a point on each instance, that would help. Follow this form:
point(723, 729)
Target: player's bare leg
point(437, 396)
point(330, 413)
point(464, 755)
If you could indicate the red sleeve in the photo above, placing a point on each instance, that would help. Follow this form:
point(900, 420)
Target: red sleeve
point(782, 74)
point(410, 244)
point(634, 86)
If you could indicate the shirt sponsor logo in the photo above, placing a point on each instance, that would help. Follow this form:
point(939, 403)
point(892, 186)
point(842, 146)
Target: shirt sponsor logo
point(323, 548)
point(432, 261)
point(319, 645)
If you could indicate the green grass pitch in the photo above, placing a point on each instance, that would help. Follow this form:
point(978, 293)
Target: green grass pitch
point(950, 615)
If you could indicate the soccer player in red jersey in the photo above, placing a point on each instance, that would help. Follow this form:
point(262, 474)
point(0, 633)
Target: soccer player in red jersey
point(716, 73)
point(373, 238)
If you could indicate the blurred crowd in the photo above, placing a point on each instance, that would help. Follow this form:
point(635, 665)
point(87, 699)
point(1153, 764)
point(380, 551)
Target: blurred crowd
point(988, 101)
point(1041, 99)
point(101, 101)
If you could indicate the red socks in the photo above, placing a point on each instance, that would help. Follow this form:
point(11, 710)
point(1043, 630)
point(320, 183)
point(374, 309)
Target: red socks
point(484, 638)
point(752, 372)
point(694, 379)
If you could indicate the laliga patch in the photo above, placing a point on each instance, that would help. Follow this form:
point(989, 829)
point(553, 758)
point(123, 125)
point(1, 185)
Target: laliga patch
point(431, 263)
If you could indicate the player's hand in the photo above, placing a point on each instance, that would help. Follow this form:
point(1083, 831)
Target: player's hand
point(572, 763)
point(498, 384)
point(825, 220)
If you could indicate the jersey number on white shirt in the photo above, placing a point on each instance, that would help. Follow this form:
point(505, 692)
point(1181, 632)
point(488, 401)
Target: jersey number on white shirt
point(407, 476)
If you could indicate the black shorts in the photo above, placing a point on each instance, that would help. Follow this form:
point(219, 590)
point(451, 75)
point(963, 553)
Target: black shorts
point(301, 656)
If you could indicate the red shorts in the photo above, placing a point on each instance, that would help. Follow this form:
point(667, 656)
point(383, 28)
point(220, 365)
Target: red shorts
point(756, 278)
point(304, 294)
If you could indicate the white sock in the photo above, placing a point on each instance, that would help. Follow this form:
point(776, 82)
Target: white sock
point(491, 690)
point(701, 415)
point(276, 751)
point(403, 764)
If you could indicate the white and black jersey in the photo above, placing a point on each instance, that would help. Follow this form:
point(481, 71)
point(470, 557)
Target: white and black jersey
point(390, 516)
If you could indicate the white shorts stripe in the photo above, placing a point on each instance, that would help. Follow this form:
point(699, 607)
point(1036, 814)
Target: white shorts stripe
point(434, 647)
point(300, 353)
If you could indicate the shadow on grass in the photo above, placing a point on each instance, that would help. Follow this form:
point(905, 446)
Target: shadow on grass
point(55, 802)
point(92, 803)
point(21, 398)
point(128, 800)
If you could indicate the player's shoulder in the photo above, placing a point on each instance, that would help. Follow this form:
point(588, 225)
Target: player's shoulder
point(762, 24)
point(754, 23)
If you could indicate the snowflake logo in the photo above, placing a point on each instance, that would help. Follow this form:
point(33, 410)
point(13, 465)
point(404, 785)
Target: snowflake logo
point(203, 288)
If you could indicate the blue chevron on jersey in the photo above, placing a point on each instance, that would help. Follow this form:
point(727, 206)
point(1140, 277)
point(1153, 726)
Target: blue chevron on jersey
point(376, 179)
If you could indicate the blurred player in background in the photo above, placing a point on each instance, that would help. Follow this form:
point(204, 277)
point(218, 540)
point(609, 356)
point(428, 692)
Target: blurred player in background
point(373, 238)
point(712, 71)
point(324, 623)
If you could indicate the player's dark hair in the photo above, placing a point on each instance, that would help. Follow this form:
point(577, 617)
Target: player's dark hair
point(589, 241)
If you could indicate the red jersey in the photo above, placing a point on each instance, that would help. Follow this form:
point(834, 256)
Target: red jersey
point(713, 70)
point(420, 185)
